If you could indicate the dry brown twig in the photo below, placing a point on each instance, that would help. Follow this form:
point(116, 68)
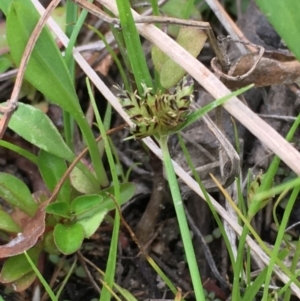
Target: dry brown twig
point(229, 25)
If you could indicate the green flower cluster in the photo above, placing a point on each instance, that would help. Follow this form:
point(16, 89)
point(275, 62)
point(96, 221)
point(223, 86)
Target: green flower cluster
point(158, 114)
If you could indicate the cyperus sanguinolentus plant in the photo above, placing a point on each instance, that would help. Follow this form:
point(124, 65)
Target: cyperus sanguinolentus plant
point(158, 113)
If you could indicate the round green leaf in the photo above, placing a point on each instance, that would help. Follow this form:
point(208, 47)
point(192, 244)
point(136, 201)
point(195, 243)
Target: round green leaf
point(59, 208)
point(81, 183)
point(90, 224)
point(86, 204)
point(126, 193)
point(91, 221)
point(171, 73)
point(16, 193)
point(192, 40)
point(7, 223)
point(68, 238)
point(24, 282)
point(49, 244)
point(158, 58)
point(5, 62)
point(18, 266)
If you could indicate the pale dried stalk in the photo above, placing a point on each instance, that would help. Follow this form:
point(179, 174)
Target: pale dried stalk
point(212, 84)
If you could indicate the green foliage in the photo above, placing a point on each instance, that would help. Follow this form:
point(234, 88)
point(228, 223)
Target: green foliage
point(181, 9)
point(47, 71)
point(80, 205)
point(35, 126)
point(4, 6)
point(91, 223)
point(85, 204)
point(192, 40)
point(5, 63)
point(7, 224)
point(68, 238)
point(61, 209)
point(45, 61)
point(52, 168)
point(133, 44)
point(82, 183)
point(16, 267)
point(17, 194)
point(284, 16)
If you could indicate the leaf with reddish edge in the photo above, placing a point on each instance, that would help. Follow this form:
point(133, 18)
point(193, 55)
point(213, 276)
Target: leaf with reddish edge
point(30, 235)
point(16, 193)
point(7, 223)
point(24, 282)
point(16, 267)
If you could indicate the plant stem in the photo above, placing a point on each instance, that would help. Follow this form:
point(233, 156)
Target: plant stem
point(181, 217)
point(133, 45)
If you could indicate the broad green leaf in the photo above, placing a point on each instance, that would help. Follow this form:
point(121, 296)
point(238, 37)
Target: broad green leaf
point(85, 204)
point(52, 168)
point(126, 193)
point(4, 6)
point(90, 221)
point(68, 238)
point(158, 57)
point(90, 224)
point(36, 127)
point(17, 266)
point(59, 16)
point(192, 40)
point(81, 183)
point(16, 193)
point(46, 69)
point(177, 9)
point(3, 38)
point(49, 244)
point(24, 282)
point(59, 208)
point(7, 224)
point(284, 16)
point(5, 62)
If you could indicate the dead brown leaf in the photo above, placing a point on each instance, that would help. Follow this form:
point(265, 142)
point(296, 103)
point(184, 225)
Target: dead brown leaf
point(28, 238)
point(274, 68)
